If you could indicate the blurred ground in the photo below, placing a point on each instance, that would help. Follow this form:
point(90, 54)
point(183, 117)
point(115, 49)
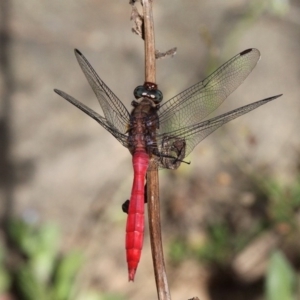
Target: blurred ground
point(60, 166)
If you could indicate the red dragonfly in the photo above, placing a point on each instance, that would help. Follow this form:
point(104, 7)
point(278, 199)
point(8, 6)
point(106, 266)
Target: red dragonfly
point(165, 132)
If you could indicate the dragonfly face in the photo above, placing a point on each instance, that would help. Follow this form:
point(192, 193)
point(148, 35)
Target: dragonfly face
point(150, 91)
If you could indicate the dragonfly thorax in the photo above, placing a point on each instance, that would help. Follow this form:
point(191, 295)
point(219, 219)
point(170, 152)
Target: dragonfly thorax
point(143, 125)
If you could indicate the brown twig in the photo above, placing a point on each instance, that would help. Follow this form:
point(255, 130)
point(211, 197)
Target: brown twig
point(162, 286)
point(150, 71)
point(152, 176)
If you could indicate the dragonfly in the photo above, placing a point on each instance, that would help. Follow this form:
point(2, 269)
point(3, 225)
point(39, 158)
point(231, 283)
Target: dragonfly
point(163, 134)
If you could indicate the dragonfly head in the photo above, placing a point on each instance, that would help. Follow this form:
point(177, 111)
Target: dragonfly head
point(148, 90)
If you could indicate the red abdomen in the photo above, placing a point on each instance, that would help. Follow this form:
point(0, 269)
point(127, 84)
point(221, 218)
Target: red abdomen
point(135, 219)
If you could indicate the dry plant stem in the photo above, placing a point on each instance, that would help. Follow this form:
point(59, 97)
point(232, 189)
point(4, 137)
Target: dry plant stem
point(150, 71)
point(155, 236)
point(152, 176)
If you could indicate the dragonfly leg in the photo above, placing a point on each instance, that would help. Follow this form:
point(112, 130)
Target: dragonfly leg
point(145, 193)
point(125, 206)
point(170, 161)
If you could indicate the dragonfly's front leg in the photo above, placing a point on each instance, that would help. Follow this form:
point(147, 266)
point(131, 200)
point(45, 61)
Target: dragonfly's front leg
point(125, 205)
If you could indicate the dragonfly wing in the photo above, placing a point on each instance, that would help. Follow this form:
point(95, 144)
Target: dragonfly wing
point(194, 104)
point(114, 110)
point(191, 135)
point(122, 138)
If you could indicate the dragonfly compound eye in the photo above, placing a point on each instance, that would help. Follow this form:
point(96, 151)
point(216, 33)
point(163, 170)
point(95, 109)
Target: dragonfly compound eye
point(158, 96)
point(140, 92)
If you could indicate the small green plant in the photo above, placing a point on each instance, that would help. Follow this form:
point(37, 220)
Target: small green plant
point(178, 251)
point(284, 201)
point(222, 244)
point(41, 273)
point(35, 269)
point(216, 249)
point(219, 248)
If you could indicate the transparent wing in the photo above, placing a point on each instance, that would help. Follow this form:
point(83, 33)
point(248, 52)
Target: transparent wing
point(194, 134)
point(194, 104)
point(116, 114)
point(122, 138)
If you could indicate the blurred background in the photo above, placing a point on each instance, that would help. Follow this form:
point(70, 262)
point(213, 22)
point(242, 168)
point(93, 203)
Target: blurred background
point(230, 220)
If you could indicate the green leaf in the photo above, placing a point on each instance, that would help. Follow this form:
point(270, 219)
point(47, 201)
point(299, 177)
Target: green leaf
point(44, 259)
point(281, 279)
point(29, 286)
point(65, 275)
point(5, 280)
point(21, 234)
point(32, 240)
